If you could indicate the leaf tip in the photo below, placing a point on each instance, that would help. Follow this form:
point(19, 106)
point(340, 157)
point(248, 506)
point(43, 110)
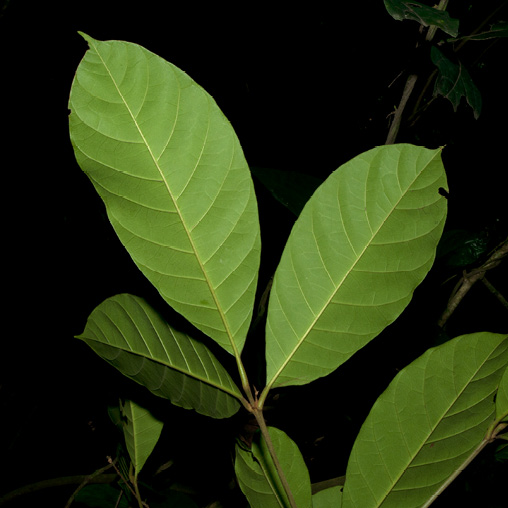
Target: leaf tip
point(87, 38)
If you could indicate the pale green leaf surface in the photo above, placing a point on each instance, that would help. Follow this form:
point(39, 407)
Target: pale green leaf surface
point(176, 186)
point(454, 82)
point(362, 244)
point(423, 14)
point(129, 334)
point(427, 424)
point(502, 398)
point(258, 477)
point(141, 431)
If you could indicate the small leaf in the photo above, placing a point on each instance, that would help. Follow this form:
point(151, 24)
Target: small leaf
point(102, 496)
point(462, 248)
point(133, 337)
point(291, 188)
point(141, 431)
point(360, 247)
point(177, 188)
point(454, 82)
point(258, 477)
point(427, 425)
point(502, 399)
point(328, 498)
point(423, 14)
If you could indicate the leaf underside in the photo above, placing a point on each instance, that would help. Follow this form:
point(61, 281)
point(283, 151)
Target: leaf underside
point(427, 424)
point(130, 335)
point(360, 247)
point(176, 186)
point(141, 431)
point(258, 477)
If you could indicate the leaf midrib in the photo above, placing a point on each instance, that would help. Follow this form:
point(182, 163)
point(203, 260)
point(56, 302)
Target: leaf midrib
point(175, 204)
point(339, 285)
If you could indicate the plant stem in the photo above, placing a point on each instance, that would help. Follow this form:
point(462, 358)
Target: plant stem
point(468, 279)
point(266, 436)
point(397, 117)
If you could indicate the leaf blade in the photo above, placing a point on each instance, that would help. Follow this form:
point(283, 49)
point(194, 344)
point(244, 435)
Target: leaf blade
point(130, 335)
point(258, 477)
point(176, 186)
point(423, 14)
point(364, 241)
point(141, 431)
point(428, 423)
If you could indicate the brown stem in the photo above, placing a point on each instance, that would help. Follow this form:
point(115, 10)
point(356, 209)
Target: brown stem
point(468, 279)
point(397, 117)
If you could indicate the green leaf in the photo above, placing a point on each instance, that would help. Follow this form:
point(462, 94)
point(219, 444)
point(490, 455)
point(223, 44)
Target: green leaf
point(425, 15)
point(291, 188)
point(327, 498)
point(141, 431)
point(362, 244)
point(176, 186)
point(102, 496)
point(502, 398)
point(258, 477)
point(134, 338)
point(454, 82)
point(427, 425)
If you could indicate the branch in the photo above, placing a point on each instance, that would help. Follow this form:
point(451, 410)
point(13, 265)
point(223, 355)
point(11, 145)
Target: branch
point(468, 279)
point(397, 117)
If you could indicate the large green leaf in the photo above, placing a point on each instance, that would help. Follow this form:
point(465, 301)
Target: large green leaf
point(141, 431)
point(362, 244)
point(258, 477)
point(134, 338)
point(427, 425)
point(176, 186)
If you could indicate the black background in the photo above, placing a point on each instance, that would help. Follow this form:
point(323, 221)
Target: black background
point(306, 88)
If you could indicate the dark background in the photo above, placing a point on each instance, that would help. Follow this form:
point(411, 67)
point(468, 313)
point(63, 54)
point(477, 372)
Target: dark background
point(306, 88)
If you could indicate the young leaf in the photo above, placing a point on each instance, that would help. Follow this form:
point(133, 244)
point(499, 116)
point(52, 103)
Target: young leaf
point(176, 186)
point(291, 188)
point(427, 425)
point(258, 477)
point(362, 244)
point(454, 82)
point(134, 338)
point(424, 14)
point(141, 431)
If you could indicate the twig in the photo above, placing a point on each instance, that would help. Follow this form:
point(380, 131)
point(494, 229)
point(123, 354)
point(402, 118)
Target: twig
point(495, 292)
point(397, 117)
point(56, 482)
point(468, 279)
point(88, 479)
